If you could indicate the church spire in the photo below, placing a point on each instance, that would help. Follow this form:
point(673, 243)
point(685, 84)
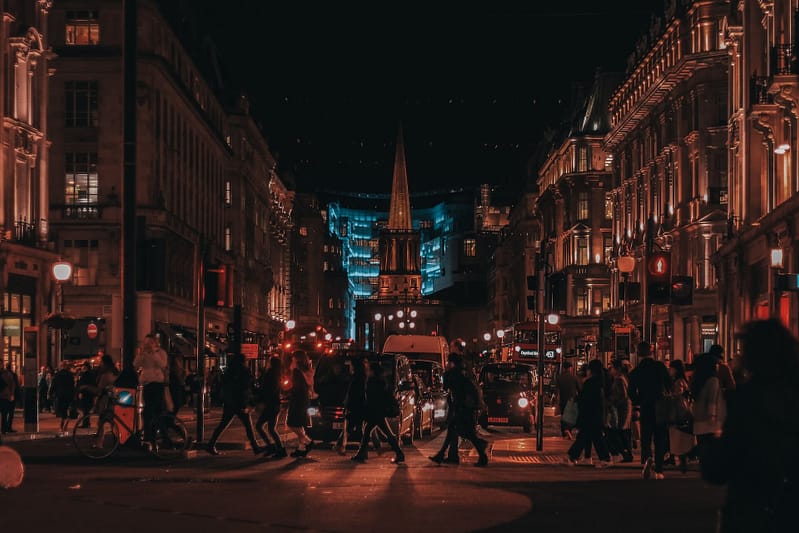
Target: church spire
point(399, 217)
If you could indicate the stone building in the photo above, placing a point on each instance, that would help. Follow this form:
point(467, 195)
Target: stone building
point(26, 255)
point(667, 147)
point(761, 40)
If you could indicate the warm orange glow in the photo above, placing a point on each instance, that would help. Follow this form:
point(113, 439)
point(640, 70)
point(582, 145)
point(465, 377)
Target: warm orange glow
point(288, 345)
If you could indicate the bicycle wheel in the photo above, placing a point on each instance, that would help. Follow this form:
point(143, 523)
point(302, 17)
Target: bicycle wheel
point(170, 437)
point(95, 437)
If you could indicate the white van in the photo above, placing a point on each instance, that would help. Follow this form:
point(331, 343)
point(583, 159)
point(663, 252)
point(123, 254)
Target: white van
point(419, 347)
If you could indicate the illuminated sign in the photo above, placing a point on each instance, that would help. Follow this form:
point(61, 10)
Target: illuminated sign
point(528, 353)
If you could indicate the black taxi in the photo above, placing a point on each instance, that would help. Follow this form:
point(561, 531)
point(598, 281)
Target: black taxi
point(508, 393)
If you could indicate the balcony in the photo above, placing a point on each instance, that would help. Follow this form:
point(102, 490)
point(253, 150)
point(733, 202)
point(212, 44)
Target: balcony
point(595, 270)
point(758, 90)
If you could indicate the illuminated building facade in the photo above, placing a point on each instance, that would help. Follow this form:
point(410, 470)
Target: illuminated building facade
point(576, 209)
point(761, 39)
point(26, 289)
point(205, 181)
point(667, 148)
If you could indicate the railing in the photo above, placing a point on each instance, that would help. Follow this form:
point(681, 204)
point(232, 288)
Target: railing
point(25, 233)
point(784, 60)
point(82, 211)
point(594, 270)
point(758, 90)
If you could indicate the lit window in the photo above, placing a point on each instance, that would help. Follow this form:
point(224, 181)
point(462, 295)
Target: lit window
point(81, 179)
point(303, 231)
point(80, 104)
point(228, 239)
point(83, 28)
point(582, 161)
point(582, 250)
point(469, 247)
point(582, 205)
point(608, 206)
point(581, 301)
point(228, 194)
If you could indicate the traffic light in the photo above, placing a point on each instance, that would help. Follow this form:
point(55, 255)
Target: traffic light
point(658, 286)
point(682, 290)
point(787, 282)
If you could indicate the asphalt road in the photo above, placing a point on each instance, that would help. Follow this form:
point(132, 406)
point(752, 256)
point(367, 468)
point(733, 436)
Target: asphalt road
point(519, 491)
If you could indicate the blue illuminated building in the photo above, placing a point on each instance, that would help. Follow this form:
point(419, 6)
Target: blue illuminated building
point(357, 219)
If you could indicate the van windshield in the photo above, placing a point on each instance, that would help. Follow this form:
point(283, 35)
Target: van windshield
point(435, 357)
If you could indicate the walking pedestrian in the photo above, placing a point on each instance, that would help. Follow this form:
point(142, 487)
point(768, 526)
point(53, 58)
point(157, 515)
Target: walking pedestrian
point(591, 417)
point(681, 442)
point(355, 406)
point(709, 403)
point(236, 398)
point(467, 403)
point(17, 398)
point(63, 394)
point(649, 382)
point(619, 434)
point(454, 370)
point(723, 371)
point(86, 390)
point(378, 405)
point(299, 400)
point(756, 454)
point(43, 386)
point(269, 397)
point(568, 387)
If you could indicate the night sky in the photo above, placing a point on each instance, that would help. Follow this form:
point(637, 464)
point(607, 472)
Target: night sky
point(475, 87)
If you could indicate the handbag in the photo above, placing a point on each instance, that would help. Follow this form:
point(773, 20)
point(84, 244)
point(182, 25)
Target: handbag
point(570, 413)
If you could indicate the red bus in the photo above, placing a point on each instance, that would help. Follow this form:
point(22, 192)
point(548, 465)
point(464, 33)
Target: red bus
point(520, 344)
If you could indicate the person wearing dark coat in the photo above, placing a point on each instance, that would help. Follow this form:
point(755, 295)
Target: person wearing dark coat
point(299, 401)
point(377, 406)
point(63, 393)
point(355, 405)
point(649, 382)
point(756, 455)
point(466, 403)
point(236, 395)
point(591, 416)
point(269, 396)
point(455, 368)
point(87, 380)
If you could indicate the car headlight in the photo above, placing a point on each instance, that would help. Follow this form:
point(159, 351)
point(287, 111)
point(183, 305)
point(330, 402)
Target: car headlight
point(313, 411)
point(523, 402)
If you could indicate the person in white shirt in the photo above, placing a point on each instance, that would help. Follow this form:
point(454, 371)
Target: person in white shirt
point(151, 362)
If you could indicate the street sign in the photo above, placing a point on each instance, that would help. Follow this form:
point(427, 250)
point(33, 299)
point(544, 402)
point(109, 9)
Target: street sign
point(91, 330)
point(250, 351)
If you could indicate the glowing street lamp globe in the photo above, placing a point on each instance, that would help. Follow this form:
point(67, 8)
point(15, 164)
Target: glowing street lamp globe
point(291, 324)
point(486, 337)
point(400, 314)
point(626, 264)
point(62, 271)
point(413, 314)
point(378, 317)
point(500, 333)
point(553, 319)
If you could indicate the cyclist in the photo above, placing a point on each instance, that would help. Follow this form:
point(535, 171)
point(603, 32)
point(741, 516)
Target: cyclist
point(152, 361)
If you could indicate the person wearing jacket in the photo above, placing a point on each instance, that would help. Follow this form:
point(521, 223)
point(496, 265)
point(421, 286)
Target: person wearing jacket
point(591, 417)
point(236, 395)
point(269, 396)
point(709, 403)
point(299, 401)
point(756, 454)
point(455, 369)
point(378, 403)
point(355, 405)
point(151, 362)
point(680, 442)
point(649, 382)
point(63, 393)
point(619, 399)
point(7, 399)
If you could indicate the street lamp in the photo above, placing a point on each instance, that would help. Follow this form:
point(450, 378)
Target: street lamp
point(291, 324)
point(626, 265)
point(486, 337)
point(777, 264)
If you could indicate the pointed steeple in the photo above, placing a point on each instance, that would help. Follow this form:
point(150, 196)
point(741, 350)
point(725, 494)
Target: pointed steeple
point(399, 217)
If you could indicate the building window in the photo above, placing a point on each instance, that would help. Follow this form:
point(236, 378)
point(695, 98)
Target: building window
point(469, 248)
point(607, 246)
point(582, 205)
point(83, 28)
point(303, 231)
point(581, 299)
point(228, 194)
point(582, 159)
point(228, 239)
point(81, 178)
point(608, 206)
point(582, 250)
point(80, 104)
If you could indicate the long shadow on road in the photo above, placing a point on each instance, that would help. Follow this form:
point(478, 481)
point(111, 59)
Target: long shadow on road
point(634, 506)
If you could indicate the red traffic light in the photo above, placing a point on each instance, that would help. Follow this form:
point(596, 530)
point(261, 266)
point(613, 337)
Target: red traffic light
point(659, 266)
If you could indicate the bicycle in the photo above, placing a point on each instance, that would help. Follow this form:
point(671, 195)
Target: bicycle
point(98, 434)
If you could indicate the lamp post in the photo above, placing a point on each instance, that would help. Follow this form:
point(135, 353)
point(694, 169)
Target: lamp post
point(407, 318)
point(776, 264)
point(626, 266)
point(61, 272)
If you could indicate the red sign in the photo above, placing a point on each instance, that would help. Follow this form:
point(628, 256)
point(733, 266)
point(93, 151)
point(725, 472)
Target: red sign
point(91, 330)
point(250, 351)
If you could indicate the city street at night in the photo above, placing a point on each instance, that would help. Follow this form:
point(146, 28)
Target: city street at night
point(520, 490)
